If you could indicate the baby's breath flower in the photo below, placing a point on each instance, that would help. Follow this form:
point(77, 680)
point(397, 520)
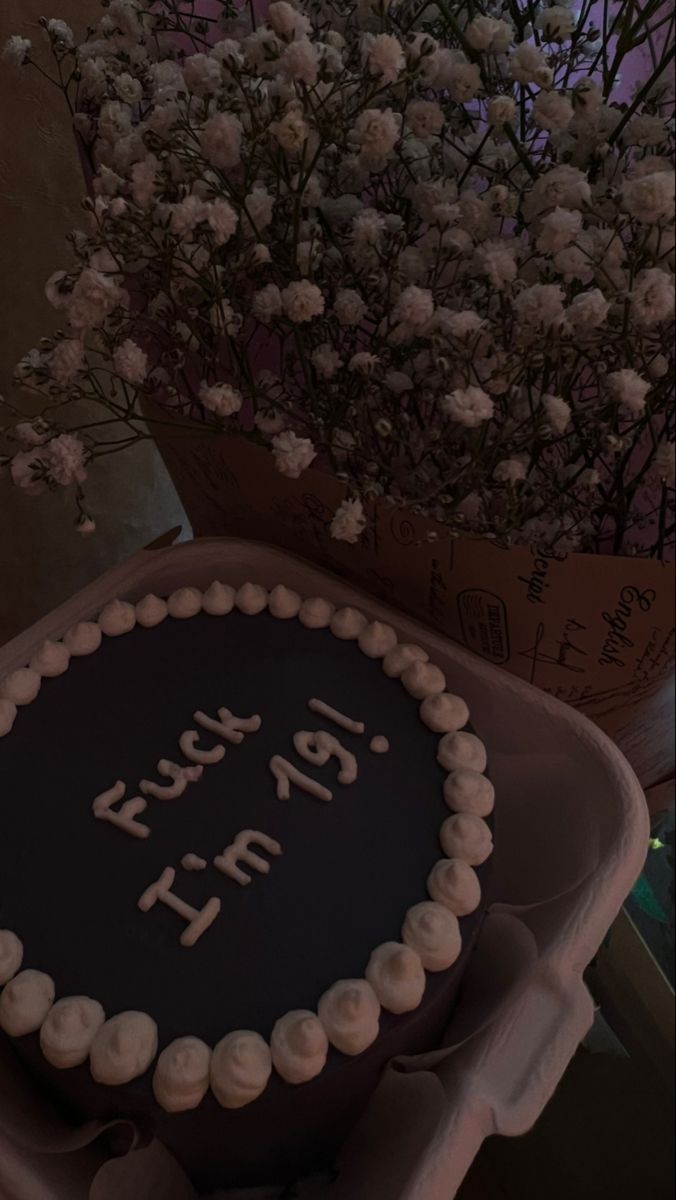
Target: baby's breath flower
point(86, 525)
point(300, 62)
point(555, 22)
point(267, 304)
point(292, 454)
point(349, 306)
point(489, 35)
point(650, 198)
point(220, 398)
point(376, 131)
point(349, 521)
point(292, 131)
point(65, 457)
point(221, 139)
point(557, 230)
point(17, 50)
point(60, 33)
point(628, 389)
point(588, 310)
point(528, 64)
point(363, 363)
point(558, 413)
point(468, 406)
point(386, 57)
point(66, 360)
point(652, 298)
point(202, 74)
point(287, 21)
point(510, 471)
point(415, 307)
point(551, 110)
point(501, 110)
point(302, 301)
point(326, 361)
point(131, 362)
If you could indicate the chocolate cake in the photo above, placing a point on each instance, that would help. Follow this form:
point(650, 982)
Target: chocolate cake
point(244, 855)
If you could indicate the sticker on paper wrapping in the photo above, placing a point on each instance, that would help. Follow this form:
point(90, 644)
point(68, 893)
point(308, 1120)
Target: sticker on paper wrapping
point(483, 619)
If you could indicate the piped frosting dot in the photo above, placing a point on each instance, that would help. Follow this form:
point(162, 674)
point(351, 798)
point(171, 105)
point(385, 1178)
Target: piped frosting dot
point(21, 686)
point(454, 884)
point(350, 1014)
point(83, 638)
point(69, 1029)
point(283, 603)
point(423, 679)
point(444, 712)
point(193, 862)
point(466, 836)
point(299, 1046)
point(241, 1065)
point(251, 599)
point(123, 1048)
point(7, 716)
point(376, 639)
point(184, 603)
point(316, 613)
point(116, 618)
point(461, 750)
point(379, 744)
point(433, 932)
point(219, 599)
point(11, 954)
point(400, 657)
point(397, 977)
point(151, 611)
point(181, 1076)
point(347, 623)
point(50, 659)
point(469, 791)
point(25, 1002)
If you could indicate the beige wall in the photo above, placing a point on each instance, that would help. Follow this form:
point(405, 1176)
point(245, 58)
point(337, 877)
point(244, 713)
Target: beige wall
point(42, 558)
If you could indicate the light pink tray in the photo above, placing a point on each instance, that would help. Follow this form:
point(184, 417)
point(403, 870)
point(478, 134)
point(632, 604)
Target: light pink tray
point(572, 837)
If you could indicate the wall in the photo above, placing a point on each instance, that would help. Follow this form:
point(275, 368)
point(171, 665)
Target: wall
point(42, 557)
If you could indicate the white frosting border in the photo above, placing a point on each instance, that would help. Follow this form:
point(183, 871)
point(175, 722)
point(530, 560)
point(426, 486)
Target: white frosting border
point(375, 640)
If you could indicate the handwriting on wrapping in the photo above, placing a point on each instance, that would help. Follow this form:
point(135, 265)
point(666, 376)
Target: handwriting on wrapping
point(617, 639)
point(536, 582)
point(437, 598)
point(564, 651)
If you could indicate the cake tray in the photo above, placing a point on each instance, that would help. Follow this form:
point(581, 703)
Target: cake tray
point(572, 834)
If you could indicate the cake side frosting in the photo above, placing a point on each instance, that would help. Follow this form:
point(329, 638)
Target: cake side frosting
point(348, 1012)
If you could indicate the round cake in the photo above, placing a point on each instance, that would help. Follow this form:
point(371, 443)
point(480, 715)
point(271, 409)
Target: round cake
point(245, 853)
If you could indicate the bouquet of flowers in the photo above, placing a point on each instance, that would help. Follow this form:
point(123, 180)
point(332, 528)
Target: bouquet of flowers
point(426, 245)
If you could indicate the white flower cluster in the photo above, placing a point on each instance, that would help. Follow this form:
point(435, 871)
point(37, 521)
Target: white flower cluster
point(441, 261)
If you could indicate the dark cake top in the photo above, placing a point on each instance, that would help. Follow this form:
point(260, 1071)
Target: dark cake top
point(210, 823)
